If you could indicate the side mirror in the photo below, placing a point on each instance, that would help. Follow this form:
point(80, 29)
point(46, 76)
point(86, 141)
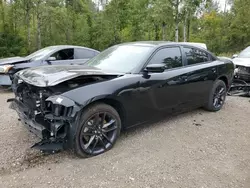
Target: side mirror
point(51, 59)
point(234, 56)
point(155, 68)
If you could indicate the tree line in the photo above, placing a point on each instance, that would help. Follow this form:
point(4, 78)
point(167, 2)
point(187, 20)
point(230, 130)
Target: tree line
point(28, 25)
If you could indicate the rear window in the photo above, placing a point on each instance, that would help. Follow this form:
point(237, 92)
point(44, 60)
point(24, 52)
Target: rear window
point(84, 53)
point(195, 56)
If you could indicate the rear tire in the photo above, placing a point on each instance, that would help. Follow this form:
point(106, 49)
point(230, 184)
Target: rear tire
point(217, 96)
point(97, 131)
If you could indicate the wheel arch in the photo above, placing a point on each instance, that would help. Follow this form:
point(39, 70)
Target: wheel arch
point(225, 80)
point(117, 105)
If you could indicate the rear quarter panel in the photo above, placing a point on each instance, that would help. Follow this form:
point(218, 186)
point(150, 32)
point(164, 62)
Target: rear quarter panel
point(226, 70)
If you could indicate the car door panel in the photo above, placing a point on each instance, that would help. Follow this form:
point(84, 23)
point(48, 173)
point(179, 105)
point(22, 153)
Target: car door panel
point(156, 96)
point(201, 72)
point(198, 84)
point(173, 91)
point(69, 62)
point(82, 55)
point(62, 57)
point(166, 90)
point(161, 93)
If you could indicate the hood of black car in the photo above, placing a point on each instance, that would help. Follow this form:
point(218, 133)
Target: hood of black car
point(12, 60)
point(55, 74)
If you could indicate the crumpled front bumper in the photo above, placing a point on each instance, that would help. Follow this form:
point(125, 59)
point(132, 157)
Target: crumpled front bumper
point(240, 73)
point(245, 77)
point(56, 133)
point(34, 127)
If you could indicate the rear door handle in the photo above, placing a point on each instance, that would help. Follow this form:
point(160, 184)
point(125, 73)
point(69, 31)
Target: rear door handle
point(214, 70)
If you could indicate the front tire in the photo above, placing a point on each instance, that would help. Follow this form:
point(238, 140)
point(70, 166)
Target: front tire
point(97, 131)
point(217, 96)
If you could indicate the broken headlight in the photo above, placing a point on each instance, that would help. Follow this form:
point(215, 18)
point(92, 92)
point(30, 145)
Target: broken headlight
point(60, 106)
point(59, 110)
point(5, 68)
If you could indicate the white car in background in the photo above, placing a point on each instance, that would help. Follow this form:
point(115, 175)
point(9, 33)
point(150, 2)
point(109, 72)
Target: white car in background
point(198, 44)
point(242, 64)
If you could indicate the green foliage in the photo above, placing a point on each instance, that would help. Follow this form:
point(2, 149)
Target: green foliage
point(26, 25)
point(211, 27)
point(10, 45)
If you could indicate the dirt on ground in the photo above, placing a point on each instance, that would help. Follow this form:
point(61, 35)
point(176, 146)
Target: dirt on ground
point(198, 149)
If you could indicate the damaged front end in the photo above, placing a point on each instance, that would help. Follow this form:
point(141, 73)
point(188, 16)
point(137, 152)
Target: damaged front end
point(46, 114)
point(239, 88)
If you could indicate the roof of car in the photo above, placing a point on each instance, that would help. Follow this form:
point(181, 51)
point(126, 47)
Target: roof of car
point(162, 43)
point(70, 46)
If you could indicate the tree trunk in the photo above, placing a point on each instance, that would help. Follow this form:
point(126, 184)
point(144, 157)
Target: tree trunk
point(177, 32)
point(177, 20)
point(104, 3)
point(185, 28)
point(156, 32)
point(225, 6)
point(68, 27)
point(67, 35)
point(2, 4)
point(11, 20)
point(188, 29)
point(73, 26)
point(28, 31)
point(117, 26)
point(27, 20)
point(15, 18)
point(50, 29)
point(38, 25)
point(115, 34)
point(184, 33)
point(149, 30)
point(149, 33)
point(38, 32)
point(90, 25)
point(163, 31)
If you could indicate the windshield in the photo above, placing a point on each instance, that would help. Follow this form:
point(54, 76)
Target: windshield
point(123, 58)
point(245, 53)
point(40, 54)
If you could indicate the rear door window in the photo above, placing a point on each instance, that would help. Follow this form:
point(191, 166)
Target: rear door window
point(195, 56)
point(84, 53)
point(65, 54)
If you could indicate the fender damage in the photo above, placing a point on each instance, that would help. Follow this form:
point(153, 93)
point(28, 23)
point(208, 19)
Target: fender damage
point(44, 111)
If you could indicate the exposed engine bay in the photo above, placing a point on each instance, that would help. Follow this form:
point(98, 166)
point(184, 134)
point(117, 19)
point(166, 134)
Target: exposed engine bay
point(47, 114)
point(239, 88)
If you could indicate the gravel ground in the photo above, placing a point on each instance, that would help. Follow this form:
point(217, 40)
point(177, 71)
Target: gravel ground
point(193, 150)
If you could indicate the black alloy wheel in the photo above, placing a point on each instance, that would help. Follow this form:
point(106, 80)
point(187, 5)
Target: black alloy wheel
point(99, 132)
point(217, 96)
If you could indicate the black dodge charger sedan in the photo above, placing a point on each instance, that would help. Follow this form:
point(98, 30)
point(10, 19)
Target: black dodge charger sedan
point(84, 107)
